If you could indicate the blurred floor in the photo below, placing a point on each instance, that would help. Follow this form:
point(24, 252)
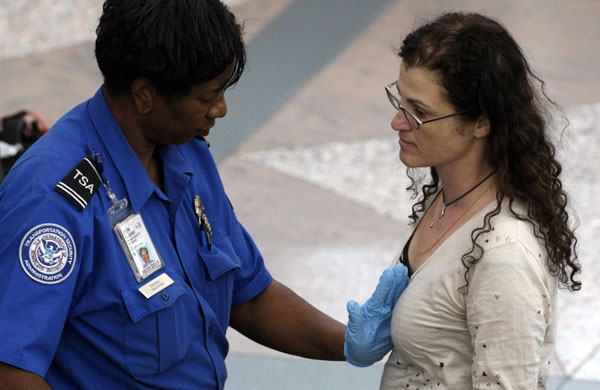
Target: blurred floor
point(318, 182)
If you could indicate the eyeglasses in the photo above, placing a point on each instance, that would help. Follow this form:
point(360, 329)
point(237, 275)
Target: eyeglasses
point(411, 118)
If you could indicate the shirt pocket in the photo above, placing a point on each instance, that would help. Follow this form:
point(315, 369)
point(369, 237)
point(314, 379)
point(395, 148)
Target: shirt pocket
point(156, 333)
point(220, 263)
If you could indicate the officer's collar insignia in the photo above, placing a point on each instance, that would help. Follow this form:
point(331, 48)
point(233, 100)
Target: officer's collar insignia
point(47, 253)
point(81, 183)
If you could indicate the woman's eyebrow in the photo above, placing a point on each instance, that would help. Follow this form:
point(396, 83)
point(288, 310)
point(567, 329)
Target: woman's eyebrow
point(417, 101)
point(411, 100)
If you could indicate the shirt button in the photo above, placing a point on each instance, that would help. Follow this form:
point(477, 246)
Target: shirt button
point(165, 296)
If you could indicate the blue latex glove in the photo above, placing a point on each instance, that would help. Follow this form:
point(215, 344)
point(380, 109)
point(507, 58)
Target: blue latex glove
point(368, 336)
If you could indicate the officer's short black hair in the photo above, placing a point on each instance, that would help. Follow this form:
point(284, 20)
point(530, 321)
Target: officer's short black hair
point(176, 44)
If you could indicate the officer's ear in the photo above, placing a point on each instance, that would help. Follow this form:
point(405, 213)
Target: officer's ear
point(482, 126)
point(143, 93)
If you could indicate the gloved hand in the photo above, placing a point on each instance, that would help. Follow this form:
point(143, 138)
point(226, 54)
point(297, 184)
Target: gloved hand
point(368, 336)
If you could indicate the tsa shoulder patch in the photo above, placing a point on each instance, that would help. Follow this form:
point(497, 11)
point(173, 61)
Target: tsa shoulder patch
point(47, 253)
point(80, 184)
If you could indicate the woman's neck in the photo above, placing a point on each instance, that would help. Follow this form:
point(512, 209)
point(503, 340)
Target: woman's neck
point(455, 183)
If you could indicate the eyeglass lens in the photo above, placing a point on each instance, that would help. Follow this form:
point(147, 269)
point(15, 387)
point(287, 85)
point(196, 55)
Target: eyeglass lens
point(411, 120)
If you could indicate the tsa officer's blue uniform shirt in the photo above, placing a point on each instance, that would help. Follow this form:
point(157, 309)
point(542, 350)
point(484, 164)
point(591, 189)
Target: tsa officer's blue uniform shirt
point(75, 316)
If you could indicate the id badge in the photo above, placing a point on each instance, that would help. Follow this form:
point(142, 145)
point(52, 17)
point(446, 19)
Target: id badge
point(135, 240)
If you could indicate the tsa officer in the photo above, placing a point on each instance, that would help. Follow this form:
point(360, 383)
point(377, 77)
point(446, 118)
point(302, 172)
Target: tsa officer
point(130, 167)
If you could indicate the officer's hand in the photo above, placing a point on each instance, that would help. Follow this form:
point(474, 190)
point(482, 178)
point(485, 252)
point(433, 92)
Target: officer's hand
point(368, 336)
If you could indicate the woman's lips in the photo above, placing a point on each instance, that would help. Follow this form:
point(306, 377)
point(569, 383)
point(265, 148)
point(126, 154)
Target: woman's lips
point(406, 145)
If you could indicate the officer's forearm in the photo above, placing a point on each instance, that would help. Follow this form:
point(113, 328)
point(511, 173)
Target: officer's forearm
point(16, 379)
point(278, 318)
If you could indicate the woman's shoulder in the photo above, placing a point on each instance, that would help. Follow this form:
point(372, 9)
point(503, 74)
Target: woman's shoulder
point(509, 226)
point(513, 232)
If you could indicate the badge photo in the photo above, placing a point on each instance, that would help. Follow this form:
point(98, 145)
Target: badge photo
point(138, 247)
point(47, 253)
point(147, 260)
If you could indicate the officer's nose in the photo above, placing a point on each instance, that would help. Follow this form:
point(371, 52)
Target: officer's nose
point(219, 108)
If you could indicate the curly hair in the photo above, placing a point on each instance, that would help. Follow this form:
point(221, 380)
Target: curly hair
point(176, 44)
point(483, 71)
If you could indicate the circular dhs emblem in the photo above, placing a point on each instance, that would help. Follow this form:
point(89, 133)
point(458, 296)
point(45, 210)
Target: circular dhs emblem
point(47, 253)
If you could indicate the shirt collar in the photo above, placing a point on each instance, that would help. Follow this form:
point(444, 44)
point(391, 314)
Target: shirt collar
point(137, 183)
point(177, 175)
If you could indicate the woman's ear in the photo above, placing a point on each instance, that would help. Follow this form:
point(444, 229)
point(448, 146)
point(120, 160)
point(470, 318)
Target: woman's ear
point(482, 127)
point(143, 93)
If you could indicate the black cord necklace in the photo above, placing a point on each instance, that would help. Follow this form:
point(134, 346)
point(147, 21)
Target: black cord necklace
point(444, 204)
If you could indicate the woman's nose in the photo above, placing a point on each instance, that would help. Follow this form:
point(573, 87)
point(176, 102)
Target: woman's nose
point(399, 122)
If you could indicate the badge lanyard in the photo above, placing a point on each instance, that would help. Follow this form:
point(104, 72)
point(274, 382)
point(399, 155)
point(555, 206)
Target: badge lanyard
point(131, 232)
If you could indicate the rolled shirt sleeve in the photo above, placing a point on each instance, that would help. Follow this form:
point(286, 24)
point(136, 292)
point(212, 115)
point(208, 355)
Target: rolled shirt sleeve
point(41, 241)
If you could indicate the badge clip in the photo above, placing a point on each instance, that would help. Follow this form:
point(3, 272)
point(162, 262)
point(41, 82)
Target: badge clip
point(120, 208)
